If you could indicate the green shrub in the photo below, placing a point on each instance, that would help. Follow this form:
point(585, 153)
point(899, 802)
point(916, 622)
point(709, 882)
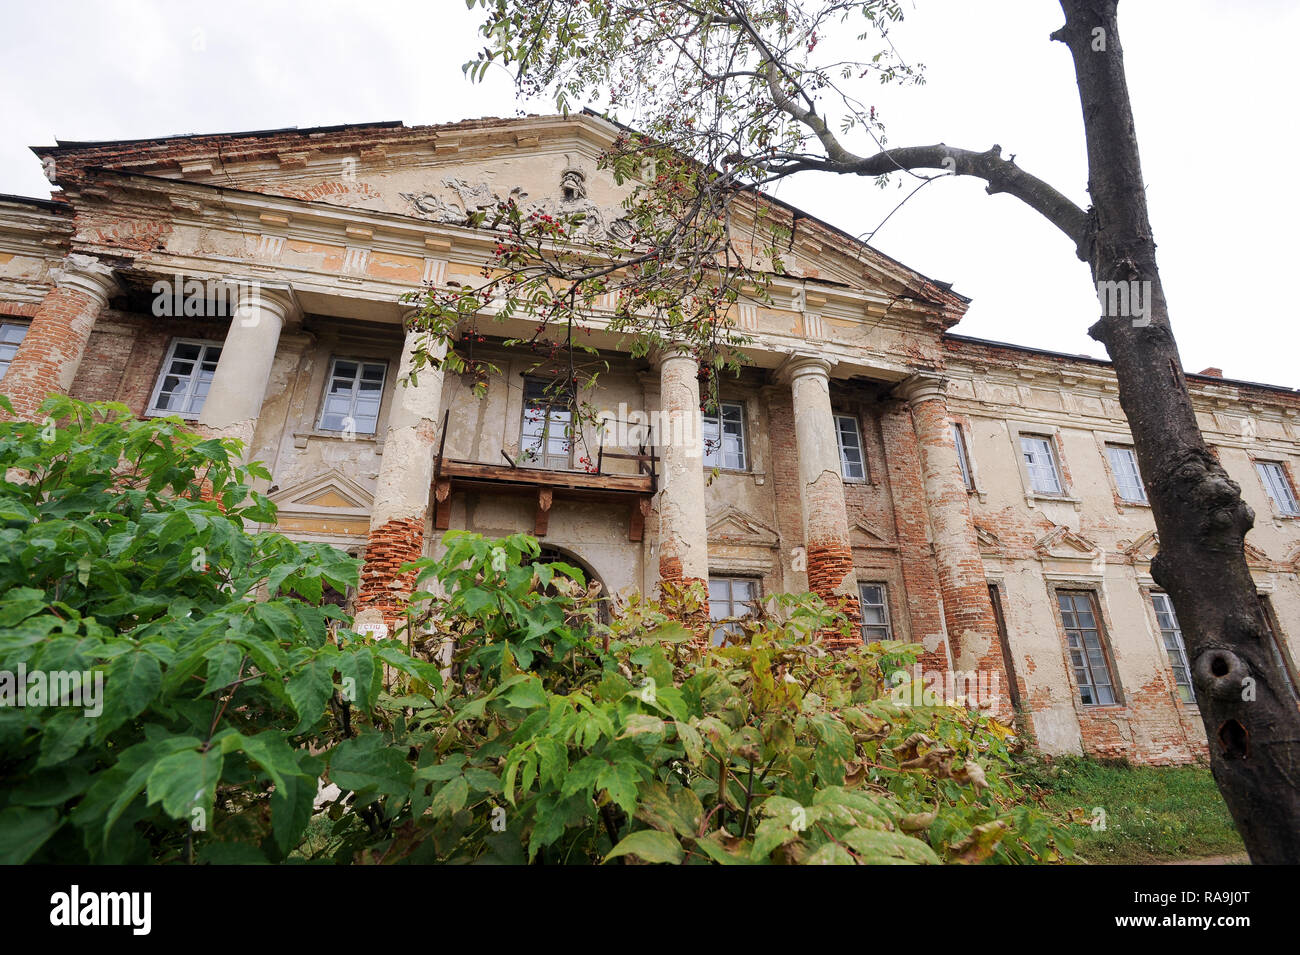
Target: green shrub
point(542, 734)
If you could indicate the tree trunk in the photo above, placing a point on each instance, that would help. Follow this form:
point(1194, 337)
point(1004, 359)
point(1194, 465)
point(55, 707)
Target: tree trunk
point(1251, 721)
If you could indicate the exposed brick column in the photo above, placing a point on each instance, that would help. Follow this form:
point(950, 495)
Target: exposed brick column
point(972, 627)
point(683, 534)
point(912, 525)
point(821, 491)
point(243, 372)
point(47, 360)
point(401, 502)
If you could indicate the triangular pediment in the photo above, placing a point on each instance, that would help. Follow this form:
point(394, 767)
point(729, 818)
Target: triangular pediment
point(331, 492)
point(1061, 543)
point(1256, 557)
point(988, 541)
point(1144, 548)
point(734, 526)
point(865, 533)
point(443, 174)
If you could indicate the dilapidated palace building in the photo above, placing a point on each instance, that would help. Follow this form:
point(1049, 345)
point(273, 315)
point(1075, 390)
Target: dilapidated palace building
point(979, 498)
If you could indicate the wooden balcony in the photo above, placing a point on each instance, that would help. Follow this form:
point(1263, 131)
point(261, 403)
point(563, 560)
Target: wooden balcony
point(546, 485)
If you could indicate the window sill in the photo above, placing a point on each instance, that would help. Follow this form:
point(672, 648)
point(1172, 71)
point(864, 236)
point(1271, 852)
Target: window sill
point(1121, 503)
point(300, 438)
point(192, 419)
point(1034, 497)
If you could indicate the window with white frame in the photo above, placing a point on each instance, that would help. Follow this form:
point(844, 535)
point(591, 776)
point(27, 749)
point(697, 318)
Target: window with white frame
point(873, 601)
point(1128, 480)
point(1040, 461)
point(853, 465)
point(730, 598)
point(1275, 644)
point(724, 436)
point(546, 436)
point(11, 336)
point(353, 396)
point(1172, 635)
point(186, 376)
point(1083, 638)
point(1274, 477)
point(963, 456)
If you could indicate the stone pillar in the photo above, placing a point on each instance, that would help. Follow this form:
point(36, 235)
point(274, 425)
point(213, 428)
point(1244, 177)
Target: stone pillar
point(821, 491)
point(972, 627)
point(401, 501)
point(683, 534)
point(238, 387)
point(48, 358)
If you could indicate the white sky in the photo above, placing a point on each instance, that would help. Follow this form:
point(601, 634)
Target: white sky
point(1213, 86)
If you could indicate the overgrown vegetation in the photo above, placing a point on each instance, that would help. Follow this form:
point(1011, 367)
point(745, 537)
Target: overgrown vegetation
point(230, 689)
point(1151, 813)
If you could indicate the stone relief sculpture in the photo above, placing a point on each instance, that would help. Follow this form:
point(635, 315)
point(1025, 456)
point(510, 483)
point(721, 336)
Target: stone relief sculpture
point(598, 224)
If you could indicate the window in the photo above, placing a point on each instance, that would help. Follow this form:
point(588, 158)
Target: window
point(1008, 659)
point(853, 466)
point(875, 612)
point(11, 337)
point(963, 458)
point(1041, 463)
point(1279, 488)
point(1087, 655)
point(353, 395)
point(724, 437)
point(1172, 634)
point(1275, 644)
point(186, 376)
point(730, 598)
point(1124, 465)
point(546, 438)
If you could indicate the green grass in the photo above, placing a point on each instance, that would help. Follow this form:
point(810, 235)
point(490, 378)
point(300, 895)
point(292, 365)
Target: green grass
point(1152, 814)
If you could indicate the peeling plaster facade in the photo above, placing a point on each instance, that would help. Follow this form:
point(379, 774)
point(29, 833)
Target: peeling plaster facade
point(320, 232)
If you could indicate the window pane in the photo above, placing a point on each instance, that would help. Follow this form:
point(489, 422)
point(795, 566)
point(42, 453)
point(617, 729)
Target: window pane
point(1087, 654)
point(851, 463)
point(1040, 463)
point(1274, 479)
point(1123, 464)
point(874, 608)
point(963, 461)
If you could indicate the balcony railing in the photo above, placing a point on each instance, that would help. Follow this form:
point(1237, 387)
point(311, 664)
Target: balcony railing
point(549, 484)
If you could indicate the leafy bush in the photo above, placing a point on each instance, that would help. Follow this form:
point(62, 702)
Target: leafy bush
point(553, 739)
point(541, 734)
point(123, 553)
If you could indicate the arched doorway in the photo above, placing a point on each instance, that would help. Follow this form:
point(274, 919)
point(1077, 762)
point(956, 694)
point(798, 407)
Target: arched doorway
point(551, 555)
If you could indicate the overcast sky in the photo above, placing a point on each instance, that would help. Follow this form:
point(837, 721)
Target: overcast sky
point(1213, 85)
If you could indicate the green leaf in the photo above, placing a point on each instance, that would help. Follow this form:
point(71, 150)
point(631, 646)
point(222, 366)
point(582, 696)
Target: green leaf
point(309, 689)
point(24, 830)
point(133, 682)
point(649, 845)
point(185, 781)
point(367, 764)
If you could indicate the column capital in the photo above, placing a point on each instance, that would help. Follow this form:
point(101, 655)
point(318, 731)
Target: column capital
point(922, 387)
point(277, 299)
point(669, 351)
point(87, 274)
point(800, 365)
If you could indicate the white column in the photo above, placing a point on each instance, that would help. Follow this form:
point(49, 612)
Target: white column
point(243, 372)
point(401, 501)
point(683, 535)
point(821, 486)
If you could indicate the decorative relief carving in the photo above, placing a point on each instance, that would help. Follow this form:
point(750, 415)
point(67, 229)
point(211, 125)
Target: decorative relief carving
point(470, 198)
